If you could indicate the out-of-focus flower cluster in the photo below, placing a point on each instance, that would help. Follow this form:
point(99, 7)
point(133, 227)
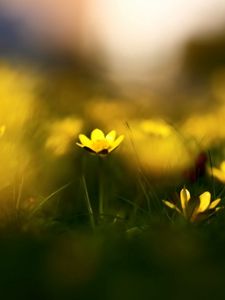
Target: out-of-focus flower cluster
point(61, 134)
point(160, 149)
point(17, 106)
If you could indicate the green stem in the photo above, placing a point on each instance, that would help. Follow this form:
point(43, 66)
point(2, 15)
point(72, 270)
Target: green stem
point(101, 188)
point(19, 195)
point(37, 208)
point(88, 202)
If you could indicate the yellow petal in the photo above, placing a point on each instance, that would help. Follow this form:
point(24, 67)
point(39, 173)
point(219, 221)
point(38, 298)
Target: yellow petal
point(220, 175)
point(184, 198)
point(97, 135)
point(117, 142)
point(218, 208)
point(222, 166)
point(171, 205)
point(100, 145)
point(111, 136)
point(80, 145)
point(205, 199)
point(85, 141)
point(214, 203)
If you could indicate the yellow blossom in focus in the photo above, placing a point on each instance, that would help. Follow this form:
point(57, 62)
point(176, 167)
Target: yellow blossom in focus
point(99, 143)
point(195, 209)
point(219, 173)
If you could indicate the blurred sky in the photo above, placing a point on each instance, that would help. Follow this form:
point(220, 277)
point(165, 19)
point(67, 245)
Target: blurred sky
point(134, 36)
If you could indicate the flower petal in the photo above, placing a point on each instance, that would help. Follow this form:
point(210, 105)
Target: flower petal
point(100, 145)
point(222, 166)
point(85, 141)
point(171, 205)
point(214, 203)
point(184, 198)
point(117, 142)
point(80, 145)
point(205, 199)
point(111, 136)
point(218, 174)
point(218, 208)
point(90, 149)
point(97, 135)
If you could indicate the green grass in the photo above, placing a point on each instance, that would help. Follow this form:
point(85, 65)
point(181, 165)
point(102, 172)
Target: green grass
point(65, 248)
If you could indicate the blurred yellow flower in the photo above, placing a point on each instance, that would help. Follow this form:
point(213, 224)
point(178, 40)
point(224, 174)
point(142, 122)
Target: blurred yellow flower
point(157, 128)
point(2, 130)
point(219, 173)
point(207, 128)
point(159, 149)
point(61, 134)
point(99, 143)
point(19, 108)
point(195, 209)
point(17, 96)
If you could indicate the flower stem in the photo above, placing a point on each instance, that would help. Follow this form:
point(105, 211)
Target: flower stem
point(19, 195)
point(101, 188)
point(88, 202)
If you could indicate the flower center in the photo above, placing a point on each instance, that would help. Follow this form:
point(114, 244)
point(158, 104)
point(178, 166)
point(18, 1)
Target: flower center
point(100, 145)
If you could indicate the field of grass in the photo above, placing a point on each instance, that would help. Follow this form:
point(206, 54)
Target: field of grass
point(109, 223)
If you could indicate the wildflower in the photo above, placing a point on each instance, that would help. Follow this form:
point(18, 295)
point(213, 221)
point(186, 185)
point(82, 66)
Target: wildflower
point(170, 155)
point(99, 143)
point(156, 128)
point(61, 133)
point(219, 173)
point(195, 209)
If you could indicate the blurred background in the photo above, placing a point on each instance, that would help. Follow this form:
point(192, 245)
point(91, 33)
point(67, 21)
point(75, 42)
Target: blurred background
point(138, 41)
point(152, 70)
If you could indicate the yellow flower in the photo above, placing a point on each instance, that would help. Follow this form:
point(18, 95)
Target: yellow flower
point(2, 130)
point(61, 133)
point(157, 128)
point(99, 143)
point(219, 173)
point(195, 209)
